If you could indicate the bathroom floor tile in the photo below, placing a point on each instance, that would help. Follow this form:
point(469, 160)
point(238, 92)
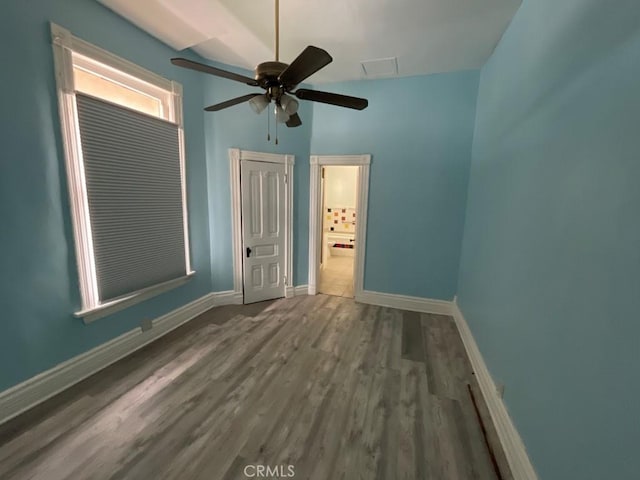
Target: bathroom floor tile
point(336, 278)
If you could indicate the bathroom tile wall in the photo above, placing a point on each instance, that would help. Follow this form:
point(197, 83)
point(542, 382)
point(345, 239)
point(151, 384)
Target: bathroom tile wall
point(338, 219)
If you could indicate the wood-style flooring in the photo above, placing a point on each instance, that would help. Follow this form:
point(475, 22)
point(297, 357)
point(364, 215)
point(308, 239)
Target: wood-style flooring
point(333, 388)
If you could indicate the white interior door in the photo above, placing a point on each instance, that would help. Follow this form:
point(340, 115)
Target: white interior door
point(263, 230)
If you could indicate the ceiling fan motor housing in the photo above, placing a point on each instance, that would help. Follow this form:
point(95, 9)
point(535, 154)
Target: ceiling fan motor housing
point(267, 73)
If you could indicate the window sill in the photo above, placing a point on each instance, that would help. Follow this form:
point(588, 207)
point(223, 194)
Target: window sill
point(92, 314)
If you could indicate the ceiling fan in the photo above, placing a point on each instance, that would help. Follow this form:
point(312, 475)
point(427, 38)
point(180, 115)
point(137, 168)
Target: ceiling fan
point(279, 81)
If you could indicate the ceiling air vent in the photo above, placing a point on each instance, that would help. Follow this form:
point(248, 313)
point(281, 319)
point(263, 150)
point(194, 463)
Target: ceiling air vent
point(380, 67)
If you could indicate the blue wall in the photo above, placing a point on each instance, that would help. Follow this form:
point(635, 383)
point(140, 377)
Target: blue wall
point(550, 270)
point(419, 131)
point(240, 127)
point(38, 275)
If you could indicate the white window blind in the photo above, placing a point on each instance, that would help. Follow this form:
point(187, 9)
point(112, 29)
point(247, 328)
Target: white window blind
point(134, 194)
point(123, 137)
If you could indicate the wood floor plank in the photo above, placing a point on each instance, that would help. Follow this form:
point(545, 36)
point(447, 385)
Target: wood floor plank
point(371, 405)
point(447, 373)
point(412, 341)
point(334, 388)
point(410, 372)
point(389, 439)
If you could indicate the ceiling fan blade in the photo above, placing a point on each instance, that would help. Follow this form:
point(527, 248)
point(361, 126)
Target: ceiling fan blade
point(294, 121)
point(232, 102)
point(306, 64)
point(332, 98)
point(201, 67)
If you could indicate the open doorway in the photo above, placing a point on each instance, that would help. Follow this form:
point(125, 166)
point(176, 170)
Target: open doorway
point(339, 184)
point(338, 214)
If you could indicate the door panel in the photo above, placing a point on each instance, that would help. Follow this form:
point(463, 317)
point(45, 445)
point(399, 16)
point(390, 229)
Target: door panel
point(263, 199)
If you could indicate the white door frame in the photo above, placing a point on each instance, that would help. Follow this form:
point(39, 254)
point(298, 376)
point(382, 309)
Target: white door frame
point(315, 216)
point(235, 157)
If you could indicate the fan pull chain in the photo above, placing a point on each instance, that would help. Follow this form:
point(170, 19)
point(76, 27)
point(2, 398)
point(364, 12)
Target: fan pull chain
point(276, 132)
point(268, 125)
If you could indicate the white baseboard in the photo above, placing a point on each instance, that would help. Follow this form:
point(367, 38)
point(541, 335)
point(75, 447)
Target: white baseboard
point(229, 297)
point(45, 385)
point(404, 302)
point(301, 290)
point(292, 291)
point(514, 449)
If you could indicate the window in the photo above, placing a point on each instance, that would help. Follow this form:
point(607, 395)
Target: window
point(124, 148)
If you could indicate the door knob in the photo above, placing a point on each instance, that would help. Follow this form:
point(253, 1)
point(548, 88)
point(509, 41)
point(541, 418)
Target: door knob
point(248, 252)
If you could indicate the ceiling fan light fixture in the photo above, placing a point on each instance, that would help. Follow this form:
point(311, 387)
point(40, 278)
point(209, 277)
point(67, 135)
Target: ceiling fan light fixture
point(289, 104)
point(281, 115)
point(259, 103)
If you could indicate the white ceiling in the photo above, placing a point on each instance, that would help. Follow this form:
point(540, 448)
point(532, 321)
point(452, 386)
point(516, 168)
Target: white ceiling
point(426, 36)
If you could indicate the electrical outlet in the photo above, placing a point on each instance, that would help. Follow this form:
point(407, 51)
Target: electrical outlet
point(500, 389)
point(146, 324)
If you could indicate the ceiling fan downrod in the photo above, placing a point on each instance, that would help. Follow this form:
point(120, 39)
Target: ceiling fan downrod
point(277, 47)
point(274, 93)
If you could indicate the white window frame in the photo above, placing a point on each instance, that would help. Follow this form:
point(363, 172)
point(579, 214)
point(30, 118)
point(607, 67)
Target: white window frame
point(69, 50)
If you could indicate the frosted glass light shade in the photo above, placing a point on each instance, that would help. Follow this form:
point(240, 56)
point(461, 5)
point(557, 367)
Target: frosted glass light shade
point(258, 104)
point(281, 115)
point(289, 104)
